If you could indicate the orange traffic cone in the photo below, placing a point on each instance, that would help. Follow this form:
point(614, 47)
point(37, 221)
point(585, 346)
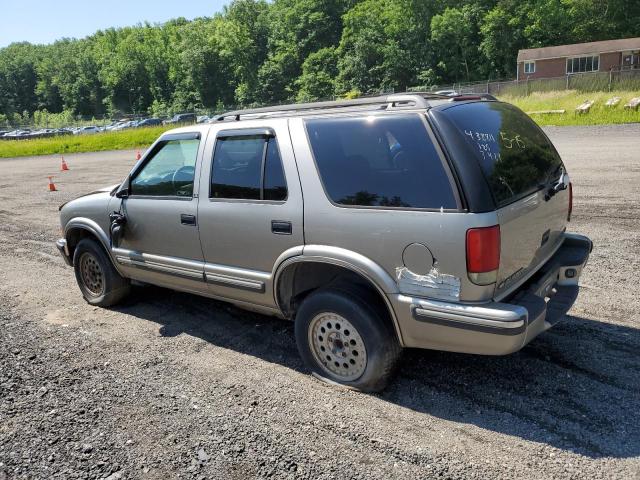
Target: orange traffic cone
point(138, 156)
point(52, 186)
point(64, 167)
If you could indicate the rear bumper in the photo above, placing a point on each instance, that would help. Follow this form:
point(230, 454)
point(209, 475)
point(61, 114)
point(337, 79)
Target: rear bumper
point(61, 245)
point(497, 328)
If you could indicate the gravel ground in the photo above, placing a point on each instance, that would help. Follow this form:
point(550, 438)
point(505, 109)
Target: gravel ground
point(175, 386)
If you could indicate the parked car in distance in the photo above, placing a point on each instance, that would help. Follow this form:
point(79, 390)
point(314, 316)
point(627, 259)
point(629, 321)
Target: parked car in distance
point(88, 130)
point(182, 118)
point(64, 131)
point(113, 125)
point(17, 134)
point(375, 224)
point(149, 122)
point(124, 125)
point(203, 119)
point(448, 93)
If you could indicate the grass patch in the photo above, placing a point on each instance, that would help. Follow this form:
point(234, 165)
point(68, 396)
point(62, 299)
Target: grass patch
point(133, 138)
point(569, 100)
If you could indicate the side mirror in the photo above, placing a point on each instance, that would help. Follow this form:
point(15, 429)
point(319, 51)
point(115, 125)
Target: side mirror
point(122, 193)
point(124, 189)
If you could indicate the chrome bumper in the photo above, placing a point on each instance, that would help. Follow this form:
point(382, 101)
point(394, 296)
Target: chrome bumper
point(498, 328)
point(61, 245)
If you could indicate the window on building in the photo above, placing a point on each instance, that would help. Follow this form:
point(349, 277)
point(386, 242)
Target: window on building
point(631, 60)
point(529, 67)
point(590, 63)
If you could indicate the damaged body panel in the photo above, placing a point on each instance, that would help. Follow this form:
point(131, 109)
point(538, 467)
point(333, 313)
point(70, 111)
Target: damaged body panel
point(434, 284)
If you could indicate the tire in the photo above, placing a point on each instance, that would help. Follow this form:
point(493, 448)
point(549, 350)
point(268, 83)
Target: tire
point(343, 338)
point(99, 282)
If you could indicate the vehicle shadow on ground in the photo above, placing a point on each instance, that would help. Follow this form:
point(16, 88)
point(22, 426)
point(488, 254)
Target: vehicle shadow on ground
point(576, 387)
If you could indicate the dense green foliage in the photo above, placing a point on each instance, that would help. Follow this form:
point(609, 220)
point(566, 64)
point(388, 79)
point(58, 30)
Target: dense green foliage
point(258, 52)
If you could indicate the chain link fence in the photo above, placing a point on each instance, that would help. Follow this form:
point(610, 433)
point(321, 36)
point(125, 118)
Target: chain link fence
point(586, 82)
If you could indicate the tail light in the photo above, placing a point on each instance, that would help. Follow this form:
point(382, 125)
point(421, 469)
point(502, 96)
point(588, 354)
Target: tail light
point(483, 254)
point(570, 201)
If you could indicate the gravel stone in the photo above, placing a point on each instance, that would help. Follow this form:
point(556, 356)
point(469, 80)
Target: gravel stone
point(123, 380)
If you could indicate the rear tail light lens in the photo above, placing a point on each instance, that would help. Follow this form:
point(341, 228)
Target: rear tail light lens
point(483, 254)
point(570, 201)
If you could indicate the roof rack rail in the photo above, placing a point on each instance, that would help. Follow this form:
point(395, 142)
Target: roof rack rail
point(396, 100)
point(471, 96)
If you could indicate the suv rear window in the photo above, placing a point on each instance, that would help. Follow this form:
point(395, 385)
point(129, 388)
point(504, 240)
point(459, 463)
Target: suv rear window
point(514, 154)
point(384, 161)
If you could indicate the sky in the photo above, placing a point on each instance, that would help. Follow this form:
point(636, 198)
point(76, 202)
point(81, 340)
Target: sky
point(44, 21)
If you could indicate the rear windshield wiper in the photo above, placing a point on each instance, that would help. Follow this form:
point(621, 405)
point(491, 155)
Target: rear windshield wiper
point(559, 185)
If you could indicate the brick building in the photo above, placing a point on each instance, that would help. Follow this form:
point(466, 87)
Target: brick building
point(622, 54)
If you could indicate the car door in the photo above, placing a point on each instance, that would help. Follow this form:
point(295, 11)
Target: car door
point(161, 244)
point(250, 209)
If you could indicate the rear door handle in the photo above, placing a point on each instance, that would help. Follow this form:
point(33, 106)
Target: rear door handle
point(187, 219)
point(281, 227)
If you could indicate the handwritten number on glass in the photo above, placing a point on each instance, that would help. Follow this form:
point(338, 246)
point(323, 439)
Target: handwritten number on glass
point(508, 142)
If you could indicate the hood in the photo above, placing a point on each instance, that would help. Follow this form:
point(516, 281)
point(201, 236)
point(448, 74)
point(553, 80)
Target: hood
point(111, 189)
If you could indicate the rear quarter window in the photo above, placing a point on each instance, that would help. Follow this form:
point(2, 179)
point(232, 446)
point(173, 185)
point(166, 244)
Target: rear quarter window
point(514, 154)
point(380, 161)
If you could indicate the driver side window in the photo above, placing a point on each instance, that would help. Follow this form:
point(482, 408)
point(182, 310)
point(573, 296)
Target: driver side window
point(170, 172)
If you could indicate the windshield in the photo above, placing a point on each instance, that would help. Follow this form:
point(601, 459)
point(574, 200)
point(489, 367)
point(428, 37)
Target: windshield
point(515, 156)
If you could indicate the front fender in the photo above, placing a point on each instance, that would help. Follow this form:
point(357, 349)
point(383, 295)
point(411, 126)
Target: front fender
point(78, 224)
point(91, 226)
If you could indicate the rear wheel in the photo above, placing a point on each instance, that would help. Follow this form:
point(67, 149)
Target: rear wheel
point(99, 282)
point(344, 338)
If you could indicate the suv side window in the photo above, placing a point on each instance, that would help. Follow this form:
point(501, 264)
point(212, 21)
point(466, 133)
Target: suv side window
point(380, 161)
point(275, 185)
point(248, 167)
point(169, 172)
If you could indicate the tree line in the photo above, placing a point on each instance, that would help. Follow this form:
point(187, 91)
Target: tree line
point(259, 52)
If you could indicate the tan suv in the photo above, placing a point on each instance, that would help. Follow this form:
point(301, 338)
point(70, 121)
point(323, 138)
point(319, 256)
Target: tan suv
point(375, 224)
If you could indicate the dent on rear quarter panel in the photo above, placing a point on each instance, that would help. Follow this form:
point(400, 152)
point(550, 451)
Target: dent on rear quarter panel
point(434, 284)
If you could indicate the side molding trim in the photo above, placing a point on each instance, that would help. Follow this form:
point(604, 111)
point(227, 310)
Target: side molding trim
point(235, 282)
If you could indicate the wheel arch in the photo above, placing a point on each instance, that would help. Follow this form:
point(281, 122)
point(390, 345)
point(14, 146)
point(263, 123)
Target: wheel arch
point(298, 276)
point(78, 229)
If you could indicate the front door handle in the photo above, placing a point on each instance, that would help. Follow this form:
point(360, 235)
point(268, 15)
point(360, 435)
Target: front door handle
point(281, 227)
point(188, 219)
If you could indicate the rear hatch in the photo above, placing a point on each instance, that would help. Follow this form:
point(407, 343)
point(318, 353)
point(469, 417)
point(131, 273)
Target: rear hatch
point(526, 179)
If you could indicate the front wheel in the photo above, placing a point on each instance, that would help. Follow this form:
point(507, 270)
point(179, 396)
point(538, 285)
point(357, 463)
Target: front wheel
point(344, 338)
point(99, 282)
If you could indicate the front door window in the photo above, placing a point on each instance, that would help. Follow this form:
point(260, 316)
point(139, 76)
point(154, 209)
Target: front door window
point(170, 172)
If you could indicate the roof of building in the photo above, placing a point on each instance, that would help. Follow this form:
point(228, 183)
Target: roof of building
point(561, 51)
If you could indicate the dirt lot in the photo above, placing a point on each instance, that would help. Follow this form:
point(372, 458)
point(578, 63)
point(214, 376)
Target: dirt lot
point(175, 386)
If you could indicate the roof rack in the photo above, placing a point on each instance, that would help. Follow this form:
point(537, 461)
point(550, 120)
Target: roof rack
point(471, 96)
point(384, 102)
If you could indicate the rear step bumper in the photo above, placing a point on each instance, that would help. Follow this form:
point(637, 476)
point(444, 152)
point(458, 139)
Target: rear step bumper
point(498, 328)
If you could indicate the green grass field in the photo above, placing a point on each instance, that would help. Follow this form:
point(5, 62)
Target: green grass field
point(143, 137)
point(134, 138)
point(569, 100)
